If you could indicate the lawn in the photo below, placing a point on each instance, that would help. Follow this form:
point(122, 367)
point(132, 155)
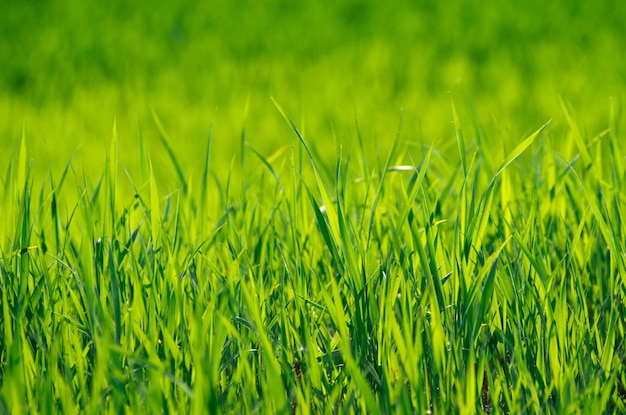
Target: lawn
point(331, 207)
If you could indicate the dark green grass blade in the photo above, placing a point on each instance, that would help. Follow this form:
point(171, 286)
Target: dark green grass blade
point(115, 295)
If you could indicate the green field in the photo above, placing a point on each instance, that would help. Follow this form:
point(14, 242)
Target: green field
point(320, 207)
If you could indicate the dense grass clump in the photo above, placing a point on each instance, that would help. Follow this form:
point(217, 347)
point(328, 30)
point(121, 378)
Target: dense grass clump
point(492, 281)
point(332, 263)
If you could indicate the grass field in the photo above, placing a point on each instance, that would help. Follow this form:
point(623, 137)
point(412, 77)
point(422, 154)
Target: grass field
point(289, 207)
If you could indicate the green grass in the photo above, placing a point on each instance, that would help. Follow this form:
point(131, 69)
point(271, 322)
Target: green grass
point(68, 69)
point(312, 207)
point(371, 285)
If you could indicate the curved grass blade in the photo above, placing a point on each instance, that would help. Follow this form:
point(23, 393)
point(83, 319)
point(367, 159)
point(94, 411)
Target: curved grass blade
point(165, 140)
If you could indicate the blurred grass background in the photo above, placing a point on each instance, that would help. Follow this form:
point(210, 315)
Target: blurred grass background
point(68, 68)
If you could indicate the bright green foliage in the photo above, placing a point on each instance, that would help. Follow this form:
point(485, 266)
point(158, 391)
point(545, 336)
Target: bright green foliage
point(68, 68)
point(312, 254)
point(367, 287)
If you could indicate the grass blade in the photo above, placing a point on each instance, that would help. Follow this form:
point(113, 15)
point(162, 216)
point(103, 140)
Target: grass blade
point(165, 140)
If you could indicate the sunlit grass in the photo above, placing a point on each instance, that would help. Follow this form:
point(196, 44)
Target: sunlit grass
point(402, 282)
point(272, 207)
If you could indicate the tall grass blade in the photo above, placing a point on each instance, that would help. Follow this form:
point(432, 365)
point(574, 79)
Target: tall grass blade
point(165, 140)
point(155, 210)
point(518, 150)
point(460, 139)
point(115, 295)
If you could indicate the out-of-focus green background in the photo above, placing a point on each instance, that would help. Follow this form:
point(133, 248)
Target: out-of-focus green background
point(68, 68)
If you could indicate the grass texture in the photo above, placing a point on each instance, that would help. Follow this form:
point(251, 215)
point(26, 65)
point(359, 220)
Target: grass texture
point(273, 207)
point(369, 286)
